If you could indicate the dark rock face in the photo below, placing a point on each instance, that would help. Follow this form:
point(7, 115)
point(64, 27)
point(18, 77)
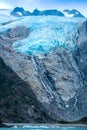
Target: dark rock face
point(53, 83)
point(18, 103)
point(60, 79)
point(2, 124)
point(82, 45)
point(16, 33)
point(82, 65)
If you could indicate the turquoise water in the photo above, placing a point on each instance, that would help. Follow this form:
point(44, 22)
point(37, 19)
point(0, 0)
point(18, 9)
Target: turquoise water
point(43, 128)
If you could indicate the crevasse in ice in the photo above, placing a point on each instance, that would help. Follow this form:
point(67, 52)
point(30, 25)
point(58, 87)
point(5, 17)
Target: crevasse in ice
point(46, 33)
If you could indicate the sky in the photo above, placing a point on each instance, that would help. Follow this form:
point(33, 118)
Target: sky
point(80, 5)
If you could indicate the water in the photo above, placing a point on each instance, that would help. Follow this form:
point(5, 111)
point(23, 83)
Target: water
point(43, 128)
point(27, 126)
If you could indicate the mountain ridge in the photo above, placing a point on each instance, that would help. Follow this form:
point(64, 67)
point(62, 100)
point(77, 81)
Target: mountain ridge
point(19, 11)
point(73, 12)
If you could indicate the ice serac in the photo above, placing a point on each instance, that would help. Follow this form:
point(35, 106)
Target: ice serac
point(53, 75)
point(46, 34)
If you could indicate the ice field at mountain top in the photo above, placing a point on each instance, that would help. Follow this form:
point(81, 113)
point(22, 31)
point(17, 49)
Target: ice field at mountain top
point(46, 33)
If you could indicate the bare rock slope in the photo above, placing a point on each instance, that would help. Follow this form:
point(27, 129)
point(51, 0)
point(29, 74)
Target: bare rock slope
point(56, 81)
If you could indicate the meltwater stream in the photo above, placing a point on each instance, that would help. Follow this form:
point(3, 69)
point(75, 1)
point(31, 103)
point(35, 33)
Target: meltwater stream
point(47, 33)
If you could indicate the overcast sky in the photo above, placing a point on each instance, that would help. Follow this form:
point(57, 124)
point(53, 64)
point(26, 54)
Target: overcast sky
point(81, 5)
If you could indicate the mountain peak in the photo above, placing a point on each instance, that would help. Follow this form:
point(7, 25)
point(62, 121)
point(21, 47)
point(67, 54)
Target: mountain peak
point(19, 11)
point(73, 12)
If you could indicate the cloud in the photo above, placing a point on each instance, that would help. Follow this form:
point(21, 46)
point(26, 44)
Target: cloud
point(4, 6)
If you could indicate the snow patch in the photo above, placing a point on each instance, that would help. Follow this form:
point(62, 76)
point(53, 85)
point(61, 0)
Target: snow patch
point(19, 13)
point(68, 15)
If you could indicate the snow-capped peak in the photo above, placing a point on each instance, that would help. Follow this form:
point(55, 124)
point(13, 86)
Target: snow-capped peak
point(67, 15)
point(72, 13)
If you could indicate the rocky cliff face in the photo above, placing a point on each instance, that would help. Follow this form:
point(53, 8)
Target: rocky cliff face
point(18, 103)
point(82, 50)
point(54, 82)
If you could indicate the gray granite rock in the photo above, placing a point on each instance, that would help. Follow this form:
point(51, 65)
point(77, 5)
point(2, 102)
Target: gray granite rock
point(55, 78)
point(18, 103)
point(17, 33)
point(82, 48)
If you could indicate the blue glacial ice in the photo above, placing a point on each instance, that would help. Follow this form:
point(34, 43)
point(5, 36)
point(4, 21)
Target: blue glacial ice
point(46, 33)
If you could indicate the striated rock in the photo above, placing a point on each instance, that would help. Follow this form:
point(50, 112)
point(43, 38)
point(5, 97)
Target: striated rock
point(82, 65)
point(82, 48)
point(54, 82)
point(82, 31)
point(20, 32)
point(18, 103)
point(2, 124)
point(62, 69)
point(60, 78)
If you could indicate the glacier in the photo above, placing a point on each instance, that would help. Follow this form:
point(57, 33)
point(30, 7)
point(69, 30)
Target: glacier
point(47, 33)
point(56, 80)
